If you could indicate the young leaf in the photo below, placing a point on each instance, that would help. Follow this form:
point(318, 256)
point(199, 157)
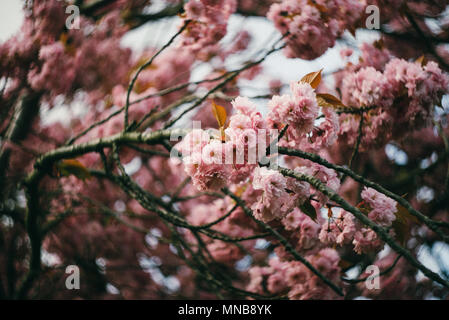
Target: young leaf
point(421, 61)
point(67, 43)
point(328, 100)
point(72, 166)
point(379, 44)
point(313, 78)
point(363, 207)
point(402, 224)
point(352, 30)
point(219, 113)
point(308, 209)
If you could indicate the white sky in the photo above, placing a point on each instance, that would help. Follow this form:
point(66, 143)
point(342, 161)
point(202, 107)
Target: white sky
point(10, 18)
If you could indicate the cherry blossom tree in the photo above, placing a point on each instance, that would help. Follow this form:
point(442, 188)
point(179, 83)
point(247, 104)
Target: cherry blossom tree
point(188, 170)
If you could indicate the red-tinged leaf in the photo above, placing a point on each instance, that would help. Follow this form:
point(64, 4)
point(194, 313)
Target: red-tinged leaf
point(67, 42)
point(313, 78)
point(379, 44)
point(220, 114)
point(308, 209)
point(421, 61)
point(352, 30)
point(328, 101)
point(69, 167)
point(363, 207)
point(329, 212)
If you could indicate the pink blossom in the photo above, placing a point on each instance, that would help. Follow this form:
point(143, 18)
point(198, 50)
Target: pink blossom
point(366, 240)
point(194, 141)
point(277, 199)
point(298, 110)
point(194, 9)
point(325, 134)
point(327, 176)
point(366, 88)
point(383, 209)
point(209, 25)
point(50, 77)
point(244, 106)
point(310, 36)
point(338, 230)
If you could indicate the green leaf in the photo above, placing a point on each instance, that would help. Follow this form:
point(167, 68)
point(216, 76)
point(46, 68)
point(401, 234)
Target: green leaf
point(69, 167)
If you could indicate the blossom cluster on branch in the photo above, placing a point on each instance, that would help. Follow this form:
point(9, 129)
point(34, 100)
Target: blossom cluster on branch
point(286, 190)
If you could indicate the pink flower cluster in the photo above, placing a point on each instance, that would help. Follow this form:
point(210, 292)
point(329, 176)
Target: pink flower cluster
point(208, 25)
point(338, 230)
point(280, 194)
point(95, 63)
point(41, 27)
point(204, 160)
point(382, 208)
point(212, 162)
point(313, 26)
point(324, 134)
point(374, 55)
point(366, 240)
point(296, 280)
point(249, 134)
point(327, 176)
point(304, 230)
point(50, 17)
point(50, 76)
point(299, 111)
point(366, 88)
point(424, 87)
point(403, 97)
point(344, 229)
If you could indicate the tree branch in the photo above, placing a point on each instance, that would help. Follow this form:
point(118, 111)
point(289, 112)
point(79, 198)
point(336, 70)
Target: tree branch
point(433, 225)
point(381, 232)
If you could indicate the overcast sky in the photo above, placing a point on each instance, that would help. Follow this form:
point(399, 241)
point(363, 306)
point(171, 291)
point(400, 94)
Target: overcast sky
point(10, 18)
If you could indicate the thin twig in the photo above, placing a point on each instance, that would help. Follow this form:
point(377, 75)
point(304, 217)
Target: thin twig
point(145, 65)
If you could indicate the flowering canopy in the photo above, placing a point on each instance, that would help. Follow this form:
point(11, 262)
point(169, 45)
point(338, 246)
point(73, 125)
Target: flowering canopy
point(291, 193)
